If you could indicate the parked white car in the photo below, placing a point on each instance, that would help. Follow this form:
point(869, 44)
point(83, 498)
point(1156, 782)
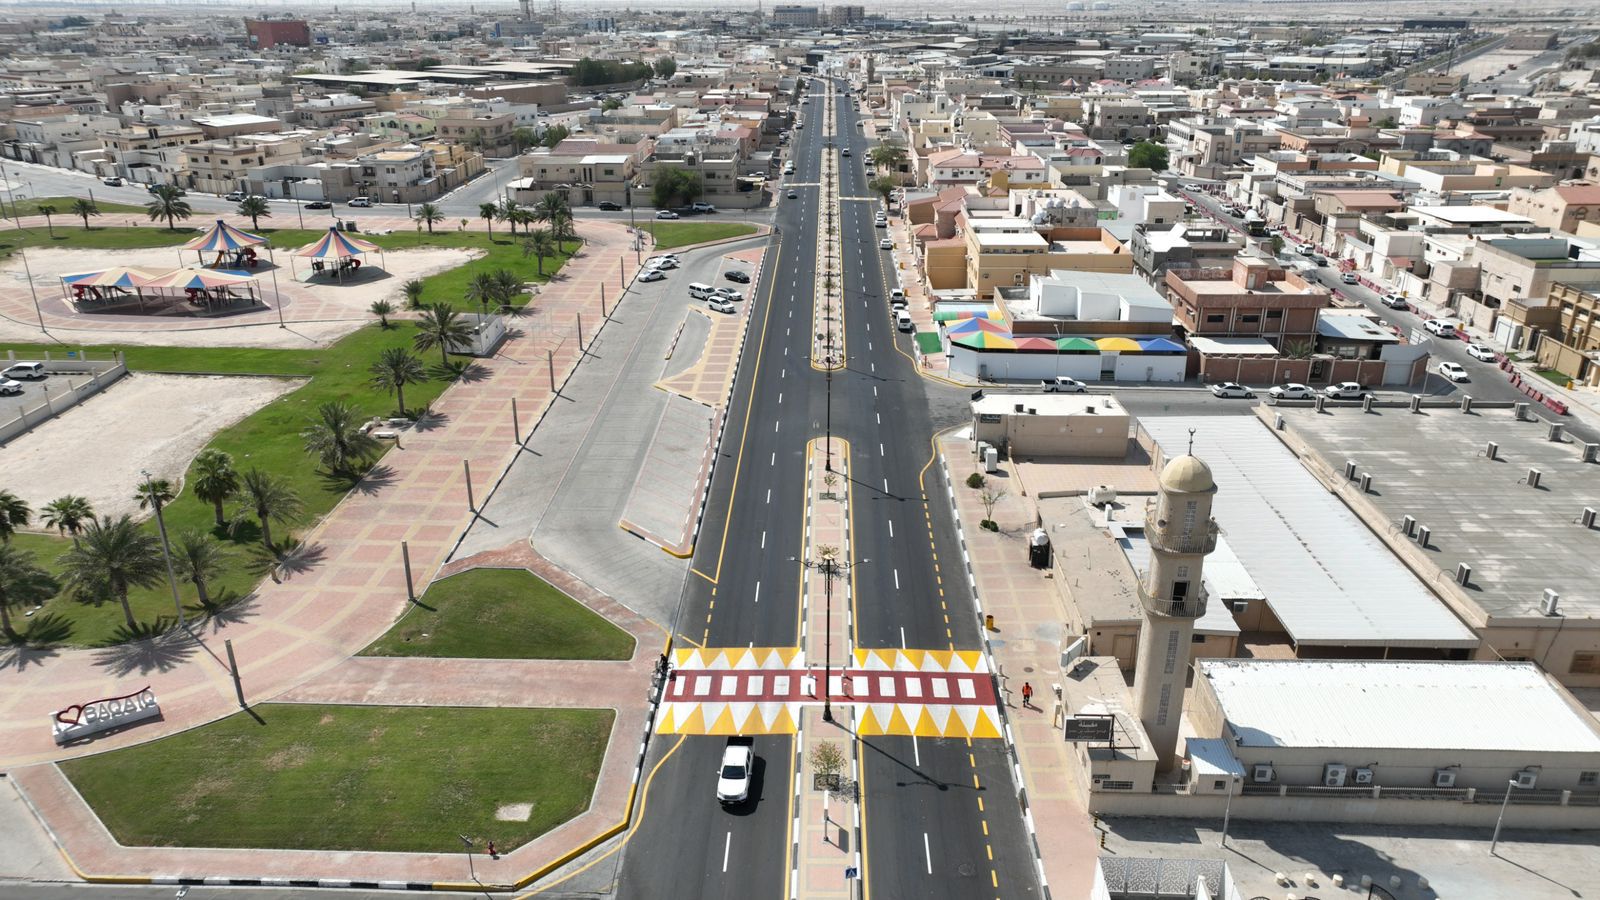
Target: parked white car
point(1061, 384)
point(1454, 372)
point(886, 244)
point(1291, 391)
point(10, 388)
point(652, 275)
point(1232, 389)
point(721, 305)
point(1346, 390)
point(661, 262)
point(1441, 327)
point(1482, 352)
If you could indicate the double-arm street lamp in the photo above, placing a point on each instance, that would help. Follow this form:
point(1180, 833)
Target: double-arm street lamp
point(830, 567)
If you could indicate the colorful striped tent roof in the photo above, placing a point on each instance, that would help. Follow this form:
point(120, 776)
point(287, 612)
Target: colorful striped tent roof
point(984, 340)
point(1035, 343)
point(1077, 345)
point(970, 326)
point(117, 276)
point(1161, 345)
point(198, 279)
point(952, 315)
point(223, 236)
point(1118, 344)
point(336, 245)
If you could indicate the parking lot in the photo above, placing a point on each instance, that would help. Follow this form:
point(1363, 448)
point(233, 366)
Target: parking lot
point(34, 391)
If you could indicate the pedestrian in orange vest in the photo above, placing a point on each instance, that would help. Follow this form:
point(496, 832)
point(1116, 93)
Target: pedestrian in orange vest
point(1027, 694)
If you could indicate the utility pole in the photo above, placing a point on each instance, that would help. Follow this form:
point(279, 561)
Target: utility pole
point(831, 568)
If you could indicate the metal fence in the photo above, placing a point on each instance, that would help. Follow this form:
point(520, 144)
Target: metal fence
point(1136, 879)
point(83, 379)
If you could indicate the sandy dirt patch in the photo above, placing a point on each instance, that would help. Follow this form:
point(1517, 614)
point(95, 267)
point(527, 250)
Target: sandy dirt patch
point(316, 313)
point(154, 422)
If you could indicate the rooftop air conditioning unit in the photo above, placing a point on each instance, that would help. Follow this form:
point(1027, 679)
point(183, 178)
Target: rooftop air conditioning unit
point(1262, 773)
point(1527, 778)
point(1444, 778)
point(1362, 776)
point(1333, 775)
point(1548, 604)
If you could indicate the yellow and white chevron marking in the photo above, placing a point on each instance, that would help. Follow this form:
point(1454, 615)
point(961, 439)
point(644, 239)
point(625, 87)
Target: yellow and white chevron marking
point(751, 691)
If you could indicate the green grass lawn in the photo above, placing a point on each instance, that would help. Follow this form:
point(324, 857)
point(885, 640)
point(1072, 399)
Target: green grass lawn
point(30, 207)
point(312, 777)
point(501, 614)
point(678, 234)
point(1553, 376)
point(268, 439)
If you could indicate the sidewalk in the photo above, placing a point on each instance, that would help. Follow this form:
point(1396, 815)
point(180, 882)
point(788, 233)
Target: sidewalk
point(1027, 612)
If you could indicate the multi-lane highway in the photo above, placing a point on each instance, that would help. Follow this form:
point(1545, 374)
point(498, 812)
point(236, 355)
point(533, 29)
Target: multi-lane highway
point(941, 817)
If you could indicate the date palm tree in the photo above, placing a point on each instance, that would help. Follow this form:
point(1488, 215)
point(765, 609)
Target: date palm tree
point(888, 156)
point(47, 211)
point(397, 367)
point(524, 217)
point(488, 212)
point(554, 209)
point(382, 309)
point(429, 215)
point(168, 205)
point(482, 290)
point(67, 515)
point(14, 513)
point(335, 437)
point(507, 284)
point(215, 480)
point(540, 245)
point(269, 499)
point(440, 326)
point(199, 558)
point(83, 209)
point(22, 581)
point(413, 292)
point(256, 208)
point(154, 491)
point(507, 213)
point(113, 556)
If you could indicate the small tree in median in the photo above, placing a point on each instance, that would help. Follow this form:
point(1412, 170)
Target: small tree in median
point(827, 760)
point(990, 497)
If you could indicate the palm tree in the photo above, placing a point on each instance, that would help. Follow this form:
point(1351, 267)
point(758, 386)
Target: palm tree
point(482, 290)
point(541, 246)
point(22, 581)
point(168, 205)
point(487, 212)
point(397, 367)
point(888, 156)
point(413, 292)
point(47, 211)
point(507, 285)
point(113, 556)
point(67, 515)
point(215, 480)
point(154, 492)
point(523, 138)
point(200, 558)
point(83, 209)
point(255, 208)
point(553, 208)
point(335, 436)
point(507, 213)
point(382, 309)
point(14, 514)
point(523, 216)
point(268, 498)
point(440, 326)
point(429, 215)
point(883, 186)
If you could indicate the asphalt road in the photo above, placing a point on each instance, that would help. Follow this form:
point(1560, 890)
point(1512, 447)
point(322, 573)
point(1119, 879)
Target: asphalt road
point(927, 833)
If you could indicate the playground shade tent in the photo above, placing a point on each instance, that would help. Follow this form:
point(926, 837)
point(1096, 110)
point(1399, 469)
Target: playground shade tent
point(230, 246)
point(339, 249)
point(205, 288)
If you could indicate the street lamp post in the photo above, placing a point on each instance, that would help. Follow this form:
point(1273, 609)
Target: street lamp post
point(1500, 819)
point(1227, 808)
point(830, 568)
point(28, 274)
point(166, 549)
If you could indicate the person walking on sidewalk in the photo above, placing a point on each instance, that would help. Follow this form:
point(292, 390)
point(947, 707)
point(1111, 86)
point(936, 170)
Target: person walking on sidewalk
point(1027, 695)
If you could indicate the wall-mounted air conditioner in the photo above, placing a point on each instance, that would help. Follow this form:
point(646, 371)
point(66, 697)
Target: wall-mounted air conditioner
point(1262, 773)
point(1444, 778)
point(1527, 778)
point(1362, 776)
point(1333, 775)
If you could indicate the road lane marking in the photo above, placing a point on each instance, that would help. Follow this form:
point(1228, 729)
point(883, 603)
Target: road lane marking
point(774, 460)
point(886, 485)
point(891, 522)
point(780, 396)
point(763, 540)
point(726, 845)
point(927, 852)
point(916, 755)
point(774, 427)
point(880, 448)
point(758, 592)
point(897, 579)
point(769, 495)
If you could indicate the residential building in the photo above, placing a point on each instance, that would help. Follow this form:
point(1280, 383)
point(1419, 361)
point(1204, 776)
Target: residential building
point(1004, 252)
point(266, 34)
point(585, 172)
point(1252, 298)
point(1572, 347)
point(1559, 208)
point(796, 16)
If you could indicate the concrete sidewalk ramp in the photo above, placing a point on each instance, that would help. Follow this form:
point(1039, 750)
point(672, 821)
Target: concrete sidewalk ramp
point(664, 505)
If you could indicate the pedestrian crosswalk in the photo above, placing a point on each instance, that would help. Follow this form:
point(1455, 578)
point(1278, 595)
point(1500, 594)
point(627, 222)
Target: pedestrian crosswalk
point(750, 691)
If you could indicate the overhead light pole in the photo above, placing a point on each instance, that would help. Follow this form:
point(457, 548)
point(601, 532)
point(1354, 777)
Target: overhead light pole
point(1500, 819)
point(830, 567)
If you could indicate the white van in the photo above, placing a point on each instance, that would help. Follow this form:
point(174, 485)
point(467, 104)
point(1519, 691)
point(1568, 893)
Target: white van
point(1441, 327)
point(902, 321)
point(701, 291)
point(29, 370)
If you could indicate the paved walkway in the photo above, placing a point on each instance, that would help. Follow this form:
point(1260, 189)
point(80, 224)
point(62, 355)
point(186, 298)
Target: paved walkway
point(1028, 611)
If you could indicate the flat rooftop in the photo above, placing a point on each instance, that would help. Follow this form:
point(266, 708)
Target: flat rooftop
point(1397, 704)
point(1000, 403)
point(1517, 540)
point(1327, 578)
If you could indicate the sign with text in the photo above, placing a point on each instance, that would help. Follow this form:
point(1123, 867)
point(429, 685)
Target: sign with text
point(85, 719)
point(1090, 728)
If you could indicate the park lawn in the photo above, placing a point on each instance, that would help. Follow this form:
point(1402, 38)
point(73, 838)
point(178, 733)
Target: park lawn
point(501, 614)
point(268, 438)
point(679, 234)
point(63, 205)
point(1554, 376)
point(374, 778)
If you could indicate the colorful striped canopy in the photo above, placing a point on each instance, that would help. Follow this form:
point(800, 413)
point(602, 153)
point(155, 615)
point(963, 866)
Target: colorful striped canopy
point(1035, 343)
point(336, 245)
point(970, 326)
point(223, 236)
point(952, 315)
point(1077, 345)
point(117, 276)
point(1118, 344)
point(197, 279)
point(984, 340)
point(1161, 345)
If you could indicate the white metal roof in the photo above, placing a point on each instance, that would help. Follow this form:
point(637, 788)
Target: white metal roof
point(1397, 704)
point(1236, 346)
point(1328, 579)
point(1218, 619)
point(1212, 757)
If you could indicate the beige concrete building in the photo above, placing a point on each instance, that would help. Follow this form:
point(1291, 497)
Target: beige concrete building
point(1560, 208)
point(1089, 425)
point(1004, 252)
